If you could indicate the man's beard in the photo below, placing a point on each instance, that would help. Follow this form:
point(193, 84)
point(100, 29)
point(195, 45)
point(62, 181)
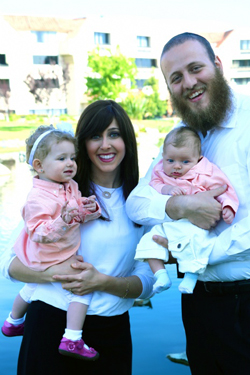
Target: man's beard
point(210, 117)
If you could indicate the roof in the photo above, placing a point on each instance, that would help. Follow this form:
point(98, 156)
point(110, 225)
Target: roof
point(217, 38)
point(26, 23)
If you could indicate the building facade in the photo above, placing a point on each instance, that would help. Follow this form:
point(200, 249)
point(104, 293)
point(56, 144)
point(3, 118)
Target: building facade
point(43, 61)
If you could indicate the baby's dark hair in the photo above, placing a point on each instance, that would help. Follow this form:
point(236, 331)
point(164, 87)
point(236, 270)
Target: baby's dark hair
point(183, 136)
point(44, 146)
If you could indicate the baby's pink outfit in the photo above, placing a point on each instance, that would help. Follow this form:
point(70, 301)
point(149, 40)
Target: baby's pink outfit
point(189, 244)
point(202, 177)
point(46, 239)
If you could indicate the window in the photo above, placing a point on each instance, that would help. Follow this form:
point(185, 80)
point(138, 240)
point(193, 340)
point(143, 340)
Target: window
point(242, 81)
point(102, 38)
point(3, 60)
point(241, 63)
point(245, 45)
point(44, 36)
point(143, 41)
point(48, 112)
point(140, 83)
point(145, 63)
point(45, 60)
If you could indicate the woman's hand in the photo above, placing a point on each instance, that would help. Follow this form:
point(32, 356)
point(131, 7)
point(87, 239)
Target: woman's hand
point(85, 279)
point(64, 268)
point(20, 272)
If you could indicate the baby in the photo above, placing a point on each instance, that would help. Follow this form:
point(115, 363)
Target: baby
point(184, 171)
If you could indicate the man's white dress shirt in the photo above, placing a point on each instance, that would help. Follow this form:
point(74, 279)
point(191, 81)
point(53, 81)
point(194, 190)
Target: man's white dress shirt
point(227, 146)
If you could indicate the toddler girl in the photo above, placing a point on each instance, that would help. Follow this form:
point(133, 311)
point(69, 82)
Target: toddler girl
point(52, 215)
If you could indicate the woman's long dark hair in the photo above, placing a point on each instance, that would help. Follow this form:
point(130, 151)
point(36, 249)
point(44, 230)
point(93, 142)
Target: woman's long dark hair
point(94, 120)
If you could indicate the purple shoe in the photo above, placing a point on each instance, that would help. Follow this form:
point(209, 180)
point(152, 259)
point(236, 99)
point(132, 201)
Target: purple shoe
point(11, 330)
point(77, 349)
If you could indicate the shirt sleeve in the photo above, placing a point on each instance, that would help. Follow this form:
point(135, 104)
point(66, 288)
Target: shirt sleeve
point(232, 244)
point(145, 205)
point(229, 198)
point(40, 225)
point(85, 214)
point(143, 271)
point(156, 181)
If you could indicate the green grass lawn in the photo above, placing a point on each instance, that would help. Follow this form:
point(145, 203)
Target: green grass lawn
point(14, 133)
point(164, 125)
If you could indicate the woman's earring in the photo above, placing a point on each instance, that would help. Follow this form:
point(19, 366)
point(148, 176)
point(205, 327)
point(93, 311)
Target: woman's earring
point(41, 170)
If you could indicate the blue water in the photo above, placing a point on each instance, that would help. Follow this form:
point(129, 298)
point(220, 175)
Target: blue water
point(155, 332)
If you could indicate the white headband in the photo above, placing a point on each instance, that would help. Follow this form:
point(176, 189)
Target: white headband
point(63, 127)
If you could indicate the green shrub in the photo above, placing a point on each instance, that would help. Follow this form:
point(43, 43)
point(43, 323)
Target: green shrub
point(155, 106)
point(31, 117)
point(14, 117)
point(67, 118)
point(163, 125)
point(135, 105)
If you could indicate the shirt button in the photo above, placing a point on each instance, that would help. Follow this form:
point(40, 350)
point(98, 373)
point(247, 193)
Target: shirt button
point(64, 228)
point(178, 246)
point(54, 191)
point(60, 187)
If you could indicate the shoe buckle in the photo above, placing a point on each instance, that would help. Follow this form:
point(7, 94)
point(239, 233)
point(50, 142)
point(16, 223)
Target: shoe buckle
point(71, 346)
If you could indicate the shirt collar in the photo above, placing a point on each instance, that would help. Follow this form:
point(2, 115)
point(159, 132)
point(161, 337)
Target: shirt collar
point(52, 187)
point(231, 119)
point(204, 167)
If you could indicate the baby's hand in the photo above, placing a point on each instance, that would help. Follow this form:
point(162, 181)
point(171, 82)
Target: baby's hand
point(90, 203)
point(173, 190)
point(178, 191)
point(228, 214)
point(67, 213)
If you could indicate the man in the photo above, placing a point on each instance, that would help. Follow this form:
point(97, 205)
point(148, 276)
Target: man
point(216, 315)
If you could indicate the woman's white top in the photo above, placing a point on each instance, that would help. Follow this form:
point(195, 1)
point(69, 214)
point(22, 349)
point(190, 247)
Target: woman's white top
point(110, 247)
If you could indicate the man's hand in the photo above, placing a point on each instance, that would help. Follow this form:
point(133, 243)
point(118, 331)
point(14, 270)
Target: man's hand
point(164, 242)
point(201, 209)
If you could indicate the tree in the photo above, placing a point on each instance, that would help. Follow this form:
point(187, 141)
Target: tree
point(146, 103)
point(135, 104)
point(49, 80)
point(155, 107)
point(109, 72)
point(5, 96)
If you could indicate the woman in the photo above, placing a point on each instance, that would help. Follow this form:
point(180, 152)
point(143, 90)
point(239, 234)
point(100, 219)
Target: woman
point(107, 168)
